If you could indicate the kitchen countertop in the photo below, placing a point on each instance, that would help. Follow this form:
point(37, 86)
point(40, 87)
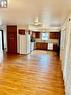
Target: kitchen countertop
point(54, 41)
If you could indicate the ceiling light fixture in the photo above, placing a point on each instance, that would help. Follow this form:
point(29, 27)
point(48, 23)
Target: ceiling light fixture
point(36, 21)
point(3, 3)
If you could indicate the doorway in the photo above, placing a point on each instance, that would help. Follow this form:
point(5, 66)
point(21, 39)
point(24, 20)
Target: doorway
point(1, 40)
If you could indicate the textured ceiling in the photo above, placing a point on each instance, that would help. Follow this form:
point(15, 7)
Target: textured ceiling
point(49, 12)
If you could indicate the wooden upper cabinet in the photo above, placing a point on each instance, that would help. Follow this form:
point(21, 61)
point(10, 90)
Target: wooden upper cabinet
point(21, 31)
point(12, 39)
point(36, 34)
point(54, 35)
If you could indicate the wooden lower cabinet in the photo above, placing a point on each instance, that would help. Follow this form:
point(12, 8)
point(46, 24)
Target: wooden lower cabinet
point(41, 46)
point(55, 47)
point(44, 46)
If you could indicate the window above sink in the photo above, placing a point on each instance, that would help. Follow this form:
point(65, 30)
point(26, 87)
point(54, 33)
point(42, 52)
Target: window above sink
point(44, 36)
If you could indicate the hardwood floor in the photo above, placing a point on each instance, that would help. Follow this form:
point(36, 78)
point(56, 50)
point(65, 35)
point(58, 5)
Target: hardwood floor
point(38, 73)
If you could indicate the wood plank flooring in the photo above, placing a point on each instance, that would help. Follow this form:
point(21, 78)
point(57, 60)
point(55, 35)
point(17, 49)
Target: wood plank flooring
point(38, 73)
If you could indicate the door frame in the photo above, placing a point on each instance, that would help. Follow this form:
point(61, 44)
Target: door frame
point(2, 39)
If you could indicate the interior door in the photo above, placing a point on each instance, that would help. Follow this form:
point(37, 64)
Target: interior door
point(0, 41)
point(12, 39)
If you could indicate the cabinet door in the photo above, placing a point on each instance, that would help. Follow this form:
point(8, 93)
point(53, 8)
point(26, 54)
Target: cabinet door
point(41, 46)
point(36, 35)
point(12, 39)
point(55, 47)
point(54, 35)
point(38, 46)
point(44, 46)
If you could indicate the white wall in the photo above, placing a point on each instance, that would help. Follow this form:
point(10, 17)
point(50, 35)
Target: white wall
point(67, 67)
point(65, 54)
point(3, 27)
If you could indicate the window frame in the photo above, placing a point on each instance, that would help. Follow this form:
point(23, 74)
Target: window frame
point(47, 38)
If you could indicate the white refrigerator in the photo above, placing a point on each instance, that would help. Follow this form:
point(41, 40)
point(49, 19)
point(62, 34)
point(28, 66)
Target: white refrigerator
point(25, 43)
point(28, 41)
